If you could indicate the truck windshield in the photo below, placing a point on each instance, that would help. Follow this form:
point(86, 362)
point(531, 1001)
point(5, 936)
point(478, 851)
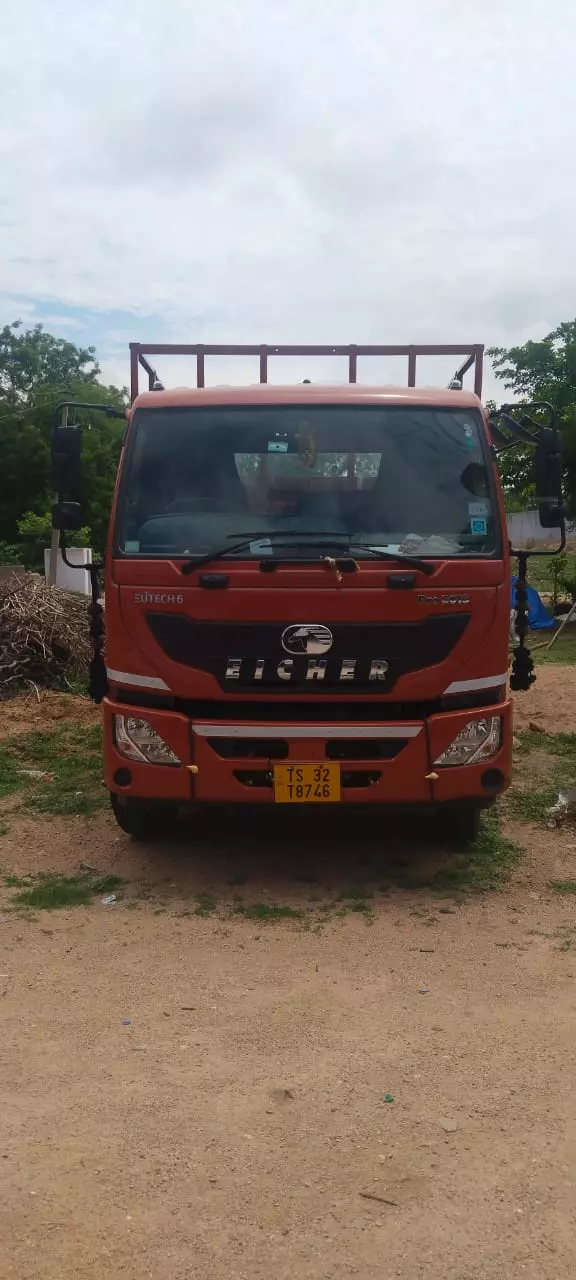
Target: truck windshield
point(415, 479)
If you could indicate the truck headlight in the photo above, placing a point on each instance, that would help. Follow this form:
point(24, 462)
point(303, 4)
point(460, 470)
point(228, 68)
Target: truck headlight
point(137, 740)
point(478, 740)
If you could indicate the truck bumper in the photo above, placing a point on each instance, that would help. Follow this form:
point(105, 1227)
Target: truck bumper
point(381, 763)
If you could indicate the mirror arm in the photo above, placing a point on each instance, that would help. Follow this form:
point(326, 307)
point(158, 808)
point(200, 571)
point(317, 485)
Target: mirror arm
point(96, 564)
point(531, 407)
point(98, 679)
point(517, 433)
point(109, 410)
point(502, 417)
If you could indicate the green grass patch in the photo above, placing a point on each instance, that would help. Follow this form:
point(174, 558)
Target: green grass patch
point(562, 886)
point(359, 906)
point(565, 938)
point(541, 572)
point(563, 651)
point(354, 894)
point(75, 685)
point(266, 912)
point(10, 779)
point(484, 866)
point(555, 744)
point(353, 900)
point(530, 805)
point(555, 767)
point(52, 892)
point(17, 882)
point(205, 905)
point(70, 752)
point(561, 744)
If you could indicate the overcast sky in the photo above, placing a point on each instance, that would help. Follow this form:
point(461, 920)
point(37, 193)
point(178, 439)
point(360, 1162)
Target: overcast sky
point(287, 171)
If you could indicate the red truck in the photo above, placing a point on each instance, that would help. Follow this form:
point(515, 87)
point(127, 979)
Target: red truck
point(307, 592)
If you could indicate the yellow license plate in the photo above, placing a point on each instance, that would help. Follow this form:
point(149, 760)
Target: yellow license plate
point(306, 783)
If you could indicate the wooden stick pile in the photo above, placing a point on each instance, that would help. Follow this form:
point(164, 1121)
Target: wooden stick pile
point(43, 633)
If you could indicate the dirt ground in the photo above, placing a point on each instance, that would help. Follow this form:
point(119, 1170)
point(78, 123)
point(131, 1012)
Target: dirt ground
point(37, 713)
point(206, 1096)
point(551, 702)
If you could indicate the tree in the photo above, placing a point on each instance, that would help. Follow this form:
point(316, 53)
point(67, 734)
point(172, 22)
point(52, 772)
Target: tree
point(33, 361)
point(544, 370)
point(35, 535)
point(38, 370)
point(516, 469)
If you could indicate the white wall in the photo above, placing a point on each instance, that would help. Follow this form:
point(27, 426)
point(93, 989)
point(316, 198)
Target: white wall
point(523, 525)
point(77, 580)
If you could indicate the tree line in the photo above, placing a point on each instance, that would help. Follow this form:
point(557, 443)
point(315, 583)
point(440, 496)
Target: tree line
point(37, 370)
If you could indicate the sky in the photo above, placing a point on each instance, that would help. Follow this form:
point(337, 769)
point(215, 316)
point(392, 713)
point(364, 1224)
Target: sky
point(288, 171)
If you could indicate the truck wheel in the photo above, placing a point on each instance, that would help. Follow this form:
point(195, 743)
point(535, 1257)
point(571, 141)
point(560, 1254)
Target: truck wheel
point(143, 819)
point(459, 826)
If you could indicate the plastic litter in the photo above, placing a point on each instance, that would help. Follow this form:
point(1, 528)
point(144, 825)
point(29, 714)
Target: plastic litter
point(538, 616)
point(109, 900)
point(126, 1022)
point(388, 1097)
point(565, 807)
point(423, 990)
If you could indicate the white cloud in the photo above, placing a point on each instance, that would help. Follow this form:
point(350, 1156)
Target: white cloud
point(312, 172)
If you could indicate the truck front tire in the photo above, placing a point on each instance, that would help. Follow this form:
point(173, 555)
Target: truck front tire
point(459, 826)
point(143, 819)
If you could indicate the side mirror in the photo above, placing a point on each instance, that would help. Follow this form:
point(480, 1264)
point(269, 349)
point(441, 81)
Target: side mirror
point(548, 466)
point(67, 515)
point(66, 459)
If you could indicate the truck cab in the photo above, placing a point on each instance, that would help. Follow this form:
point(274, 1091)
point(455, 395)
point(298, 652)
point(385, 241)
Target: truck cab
point(307, 600)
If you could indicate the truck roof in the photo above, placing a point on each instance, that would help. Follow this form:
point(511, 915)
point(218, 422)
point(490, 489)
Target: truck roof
point(306, 393)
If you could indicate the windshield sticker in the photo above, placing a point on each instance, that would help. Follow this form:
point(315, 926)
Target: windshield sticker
point(277, 446)
point(468, 436)
point(478, 525)
point(261, 548)
point(478, 508)
point(131, 546)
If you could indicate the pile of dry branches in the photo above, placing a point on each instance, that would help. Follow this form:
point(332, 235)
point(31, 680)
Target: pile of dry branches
point(43, 633)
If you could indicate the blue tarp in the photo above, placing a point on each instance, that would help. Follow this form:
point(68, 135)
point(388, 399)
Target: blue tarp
point(538, 616)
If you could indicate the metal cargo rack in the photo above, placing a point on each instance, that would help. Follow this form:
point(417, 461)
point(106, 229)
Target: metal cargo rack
point(139, 351)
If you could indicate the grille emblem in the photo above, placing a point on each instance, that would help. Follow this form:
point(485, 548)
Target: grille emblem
point(307, 638)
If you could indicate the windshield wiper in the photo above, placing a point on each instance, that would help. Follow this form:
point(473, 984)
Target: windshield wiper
point(345, 554)
point(321, 540)
point(325, 538)
point(216, 554)
point(380, 554)
point(259, 536)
